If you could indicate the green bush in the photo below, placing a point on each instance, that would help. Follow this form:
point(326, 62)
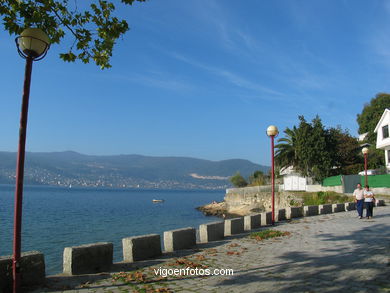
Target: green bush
point(266, 234)
point(294, 203)
point(324, 197)
point(238, 181)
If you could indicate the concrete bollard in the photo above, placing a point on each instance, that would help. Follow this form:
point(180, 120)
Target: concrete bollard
point(280, 215)
point(350, 206)
point(211, 231)
point(234, 226)
point(325, 209)
point(338, 207)
point(179, 239)
point(294, 212)
point(88, 258)
point(6, 273)
point(310, 211)
point(32, 271)
point(141, 247)
point(381, 202)
point(252, 221)
point(266, 218)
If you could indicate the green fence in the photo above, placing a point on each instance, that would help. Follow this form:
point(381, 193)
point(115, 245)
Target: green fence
point(373, 180)
point(332, 181)
point(377, 180)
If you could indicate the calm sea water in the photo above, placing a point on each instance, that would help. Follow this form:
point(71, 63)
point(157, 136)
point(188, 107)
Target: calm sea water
point(54, 218)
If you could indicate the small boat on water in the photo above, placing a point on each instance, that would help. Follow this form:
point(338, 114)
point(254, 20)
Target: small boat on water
point(157, 200)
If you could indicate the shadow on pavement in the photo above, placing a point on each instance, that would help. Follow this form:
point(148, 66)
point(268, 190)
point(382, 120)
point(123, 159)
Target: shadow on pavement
point(338, 269)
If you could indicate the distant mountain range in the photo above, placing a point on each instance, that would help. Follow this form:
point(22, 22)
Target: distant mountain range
point(124, 171)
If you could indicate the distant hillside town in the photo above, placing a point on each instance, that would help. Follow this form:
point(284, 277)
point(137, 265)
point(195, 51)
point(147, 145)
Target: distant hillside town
point(71, 169)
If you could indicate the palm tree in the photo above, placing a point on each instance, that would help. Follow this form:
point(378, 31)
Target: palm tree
point(285, 155)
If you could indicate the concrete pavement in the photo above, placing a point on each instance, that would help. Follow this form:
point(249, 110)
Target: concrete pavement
point(327, 253)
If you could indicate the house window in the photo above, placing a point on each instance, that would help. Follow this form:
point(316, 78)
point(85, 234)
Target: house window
point(388, 156)
point(385, 131)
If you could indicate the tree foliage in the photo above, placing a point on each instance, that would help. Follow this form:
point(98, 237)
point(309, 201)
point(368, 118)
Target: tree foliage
point(238, 181)
point(313, 149)
point(367, 121)
point(94, 30)
point(286, 148)
point(371, 114)
point(318, 152)
point(257, 178)
point(348, 159)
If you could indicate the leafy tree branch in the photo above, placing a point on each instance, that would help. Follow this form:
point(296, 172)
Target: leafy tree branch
point(95, 29)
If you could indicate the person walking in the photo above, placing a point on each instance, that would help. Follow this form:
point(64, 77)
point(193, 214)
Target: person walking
point(359, 199)
point(368, 201)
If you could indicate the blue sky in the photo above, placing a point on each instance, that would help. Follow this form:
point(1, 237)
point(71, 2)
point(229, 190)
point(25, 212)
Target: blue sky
point(204, 79)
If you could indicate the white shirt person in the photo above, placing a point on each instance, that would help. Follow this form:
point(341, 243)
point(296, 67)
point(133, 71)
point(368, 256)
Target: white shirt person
point(369, 201)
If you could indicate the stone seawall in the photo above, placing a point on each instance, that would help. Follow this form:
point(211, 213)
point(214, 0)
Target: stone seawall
point(243, 201)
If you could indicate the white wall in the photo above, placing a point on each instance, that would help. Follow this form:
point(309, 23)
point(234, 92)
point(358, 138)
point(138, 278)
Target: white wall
point(381, 190)
point(382, 143)
point(318, 187)
point(387, 159)
point(294, 182)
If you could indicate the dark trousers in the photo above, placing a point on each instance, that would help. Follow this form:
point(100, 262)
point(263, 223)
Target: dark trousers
point(359, 207)
point(369, 208)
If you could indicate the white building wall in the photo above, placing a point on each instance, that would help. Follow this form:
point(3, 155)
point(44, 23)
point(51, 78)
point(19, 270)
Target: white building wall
point(387, 159)
point(382, 143)
point(294, 182)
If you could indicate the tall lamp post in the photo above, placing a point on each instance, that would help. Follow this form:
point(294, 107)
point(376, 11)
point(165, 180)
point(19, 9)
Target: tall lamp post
point(272, 131)
point(32, 45)
point(365, 153)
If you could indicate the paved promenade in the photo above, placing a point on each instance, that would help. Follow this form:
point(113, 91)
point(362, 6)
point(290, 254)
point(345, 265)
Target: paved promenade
point(327, 253)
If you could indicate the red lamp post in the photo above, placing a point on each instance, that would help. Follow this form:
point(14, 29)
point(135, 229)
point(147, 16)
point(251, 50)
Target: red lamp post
point(272, 131)
point(32, 45)
point(365, 153)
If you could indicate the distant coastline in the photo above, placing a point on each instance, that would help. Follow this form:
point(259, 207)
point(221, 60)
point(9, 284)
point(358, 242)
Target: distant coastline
point(71, 169)
point(96, 188)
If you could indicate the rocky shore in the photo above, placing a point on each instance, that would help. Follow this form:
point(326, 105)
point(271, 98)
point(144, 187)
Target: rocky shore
point(213, 209)
point(219, 209)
